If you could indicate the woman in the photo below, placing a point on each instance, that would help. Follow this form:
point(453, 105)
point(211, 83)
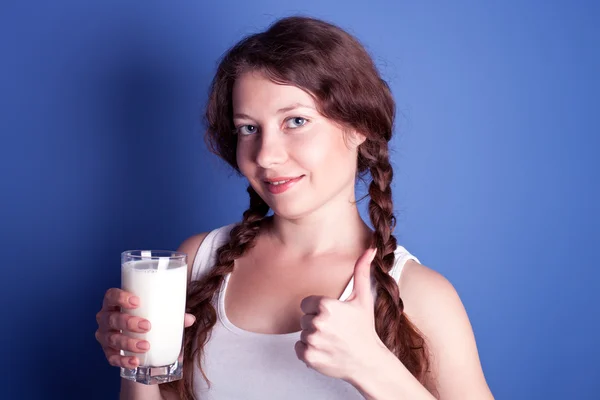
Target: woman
point(301, 111)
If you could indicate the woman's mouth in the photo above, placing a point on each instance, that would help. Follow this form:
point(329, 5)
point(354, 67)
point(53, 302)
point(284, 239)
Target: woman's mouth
point(281, 184)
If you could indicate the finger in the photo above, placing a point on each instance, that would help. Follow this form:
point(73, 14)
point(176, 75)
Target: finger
point(301, 349)
point(304, 336)
point(309, 338)
point(104, 338)
point(115, 320)
point(100, 337)
point(307, 322)
point(117, 360)
point(313, 305)
point(115, 297)
point(119, 341)
point(114, 356)
point(362, 278)
point(189, 320)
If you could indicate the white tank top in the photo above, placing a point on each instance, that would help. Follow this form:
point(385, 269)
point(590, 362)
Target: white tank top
point(258, 366)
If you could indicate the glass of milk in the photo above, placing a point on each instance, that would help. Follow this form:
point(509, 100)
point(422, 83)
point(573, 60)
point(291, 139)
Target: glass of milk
point(159, 279)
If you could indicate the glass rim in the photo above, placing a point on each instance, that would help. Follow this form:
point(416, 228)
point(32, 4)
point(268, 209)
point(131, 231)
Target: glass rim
point(155, 254)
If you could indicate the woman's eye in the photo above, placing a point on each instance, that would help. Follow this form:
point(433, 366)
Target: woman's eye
point(247, 129)
point(295, 122)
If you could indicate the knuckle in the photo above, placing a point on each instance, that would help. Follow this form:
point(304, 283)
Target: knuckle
point(110, 340)
point(113, 340)
point(324, 303)
point(303, 337)
point(310, 356)
point(99, 317)
point(114, 319)
point(309, 338)
point(131, 323)
point(131, 345)
point(122, 298)
point(110, 293)
point(114, 360)
point(324, 306)
point(318, 323)
point(124, 342)
point(111, 320)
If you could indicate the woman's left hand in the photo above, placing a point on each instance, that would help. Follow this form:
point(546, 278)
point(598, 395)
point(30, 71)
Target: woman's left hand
point(338, 337)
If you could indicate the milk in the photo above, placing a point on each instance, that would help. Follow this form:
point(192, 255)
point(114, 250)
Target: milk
point(162, 296)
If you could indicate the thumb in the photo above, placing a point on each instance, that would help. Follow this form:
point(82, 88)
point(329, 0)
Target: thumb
point(362, 277)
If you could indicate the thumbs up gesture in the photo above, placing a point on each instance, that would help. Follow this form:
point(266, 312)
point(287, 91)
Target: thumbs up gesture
point(338, 337)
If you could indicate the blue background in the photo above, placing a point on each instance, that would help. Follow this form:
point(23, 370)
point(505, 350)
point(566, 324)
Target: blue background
point(495, 158)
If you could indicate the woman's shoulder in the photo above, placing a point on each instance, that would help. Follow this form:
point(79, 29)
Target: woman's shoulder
point(193, 243)
point(200, 246)
point(426, 292)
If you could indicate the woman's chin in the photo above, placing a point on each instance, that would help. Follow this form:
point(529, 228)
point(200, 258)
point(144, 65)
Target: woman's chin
point(290, 210)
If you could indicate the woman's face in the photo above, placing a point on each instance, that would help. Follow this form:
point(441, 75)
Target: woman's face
point(296, 159)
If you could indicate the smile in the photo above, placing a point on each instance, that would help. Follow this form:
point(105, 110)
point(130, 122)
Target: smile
point(280, 185)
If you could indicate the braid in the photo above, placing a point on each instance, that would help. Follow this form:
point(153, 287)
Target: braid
point(392, 326)
point(201, 292)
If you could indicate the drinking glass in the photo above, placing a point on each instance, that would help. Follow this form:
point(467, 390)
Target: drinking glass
point(159, 279)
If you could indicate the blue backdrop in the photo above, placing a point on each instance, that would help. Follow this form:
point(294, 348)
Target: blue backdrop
point(495, 159)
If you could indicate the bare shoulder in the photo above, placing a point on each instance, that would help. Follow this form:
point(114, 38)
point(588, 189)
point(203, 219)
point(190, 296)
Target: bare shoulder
point(435, 308)
point(427, 294)
point(190, 246)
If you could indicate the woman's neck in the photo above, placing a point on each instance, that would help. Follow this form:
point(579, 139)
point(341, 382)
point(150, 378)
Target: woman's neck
point(331, 228)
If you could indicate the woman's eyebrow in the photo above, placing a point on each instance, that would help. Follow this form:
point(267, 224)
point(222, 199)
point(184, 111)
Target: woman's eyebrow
point(280, 111)
point(241, 116)
point(293, 107)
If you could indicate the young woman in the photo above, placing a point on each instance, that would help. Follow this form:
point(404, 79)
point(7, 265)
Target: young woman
point(301, 111)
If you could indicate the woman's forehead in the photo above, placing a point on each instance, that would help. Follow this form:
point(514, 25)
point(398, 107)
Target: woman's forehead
point(253, 92)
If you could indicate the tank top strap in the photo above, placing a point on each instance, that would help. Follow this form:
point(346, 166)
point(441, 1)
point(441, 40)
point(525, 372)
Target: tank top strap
point(401, 257)
point(206, 256)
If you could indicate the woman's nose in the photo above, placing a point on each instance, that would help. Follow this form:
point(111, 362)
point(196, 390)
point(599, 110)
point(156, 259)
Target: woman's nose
point(271, 149)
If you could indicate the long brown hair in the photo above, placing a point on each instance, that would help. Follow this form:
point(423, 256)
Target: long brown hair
point(336, 70)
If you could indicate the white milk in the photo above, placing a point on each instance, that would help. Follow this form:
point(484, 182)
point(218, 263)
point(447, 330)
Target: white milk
point(162, 302)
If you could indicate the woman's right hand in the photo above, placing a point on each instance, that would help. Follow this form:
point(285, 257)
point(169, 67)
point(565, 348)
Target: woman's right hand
point(111, 321)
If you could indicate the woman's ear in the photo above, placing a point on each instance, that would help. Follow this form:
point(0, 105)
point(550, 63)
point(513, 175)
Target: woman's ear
point(355, 138)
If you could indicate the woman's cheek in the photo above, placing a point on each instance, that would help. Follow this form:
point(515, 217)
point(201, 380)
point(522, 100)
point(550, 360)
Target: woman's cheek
point(314, 151)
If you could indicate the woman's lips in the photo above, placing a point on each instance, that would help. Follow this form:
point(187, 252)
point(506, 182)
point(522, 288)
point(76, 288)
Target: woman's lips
point(281, 184)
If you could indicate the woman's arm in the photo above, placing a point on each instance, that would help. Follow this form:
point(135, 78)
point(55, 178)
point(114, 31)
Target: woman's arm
point(138, 391)
point(435, 308)
point(387, 378)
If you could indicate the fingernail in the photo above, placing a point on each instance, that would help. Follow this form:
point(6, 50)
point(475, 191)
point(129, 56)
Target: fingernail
point(145, 325)
point(143, 345)
point(134, 301)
